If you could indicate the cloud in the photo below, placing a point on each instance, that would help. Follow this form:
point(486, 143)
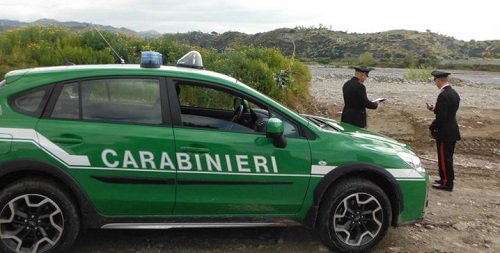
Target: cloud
point(462, 21)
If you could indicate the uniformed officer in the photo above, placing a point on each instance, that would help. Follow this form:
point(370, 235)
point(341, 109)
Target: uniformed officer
point(445, 129)
point(356, 100)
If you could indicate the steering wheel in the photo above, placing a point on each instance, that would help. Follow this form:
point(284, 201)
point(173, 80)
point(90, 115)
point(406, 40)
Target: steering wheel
point(237, 114)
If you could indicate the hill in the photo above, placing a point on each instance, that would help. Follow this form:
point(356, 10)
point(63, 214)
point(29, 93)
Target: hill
point(7, 24)
point(320, 44)
point(396, 48)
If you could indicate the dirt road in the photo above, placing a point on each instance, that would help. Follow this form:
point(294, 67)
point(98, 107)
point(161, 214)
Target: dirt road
point(465, 220)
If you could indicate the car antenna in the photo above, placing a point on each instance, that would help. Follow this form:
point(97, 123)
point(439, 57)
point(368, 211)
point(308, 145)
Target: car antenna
point(122, 61)
point(66, 62)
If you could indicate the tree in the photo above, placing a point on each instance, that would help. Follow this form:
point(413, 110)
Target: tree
point(366, 59)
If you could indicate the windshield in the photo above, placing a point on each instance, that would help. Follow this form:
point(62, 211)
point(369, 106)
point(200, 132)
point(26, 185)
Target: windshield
point(322, 123)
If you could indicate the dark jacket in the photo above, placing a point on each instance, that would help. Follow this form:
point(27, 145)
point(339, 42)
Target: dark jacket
point(355, 103)
point(445, 127)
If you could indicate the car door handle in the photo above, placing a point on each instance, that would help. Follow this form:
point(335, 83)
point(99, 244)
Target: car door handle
point(195, 150)
point(67, 140)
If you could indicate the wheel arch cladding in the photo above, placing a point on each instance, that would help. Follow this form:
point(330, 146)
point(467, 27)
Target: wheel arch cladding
point(14, 170)
point(381, 177)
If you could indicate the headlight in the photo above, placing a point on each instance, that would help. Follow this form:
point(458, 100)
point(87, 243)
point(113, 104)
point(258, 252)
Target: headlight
point(412, 160)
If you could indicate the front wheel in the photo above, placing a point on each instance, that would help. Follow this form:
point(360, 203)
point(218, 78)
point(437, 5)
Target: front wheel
point(36, 215)
point(354, 215)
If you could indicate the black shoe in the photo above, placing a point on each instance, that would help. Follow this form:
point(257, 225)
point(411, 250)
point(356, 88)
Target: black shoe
point(437, 181)
point(442, 187)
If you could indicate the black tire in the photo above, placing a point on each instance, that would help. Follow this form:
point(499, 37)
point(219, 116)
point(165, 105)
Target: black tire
point(354, 215)
point(36, 215)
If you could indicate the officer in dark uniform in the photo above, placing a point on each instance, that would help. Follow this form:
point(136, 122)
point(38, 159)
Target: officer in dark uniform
point(356, 100)
point(445, 129)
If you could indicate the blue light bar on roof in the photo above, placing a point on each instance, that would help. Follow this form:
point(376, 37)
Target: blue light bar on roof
point(150, 59)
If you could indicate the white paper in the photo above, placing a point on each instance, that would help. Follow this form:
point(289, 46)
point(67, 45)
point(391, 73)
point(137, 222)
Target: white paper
point(379, 100)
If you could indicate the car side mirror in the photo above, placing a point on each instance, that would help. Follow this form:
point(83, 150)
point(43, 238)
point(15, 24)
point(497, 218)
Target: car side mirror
point(274, 130)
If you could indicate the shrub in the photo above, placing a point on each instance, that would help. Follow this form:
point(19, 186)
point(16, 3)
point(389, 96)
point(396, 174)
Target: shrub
point(419, 74)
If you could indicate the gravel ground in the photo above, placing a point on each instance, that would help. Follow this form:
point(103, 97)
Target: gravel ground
point(468, 219)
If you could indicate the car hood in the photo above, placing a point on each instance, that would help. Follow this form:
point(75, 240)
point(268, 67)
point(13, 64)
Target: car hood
point(360, 134)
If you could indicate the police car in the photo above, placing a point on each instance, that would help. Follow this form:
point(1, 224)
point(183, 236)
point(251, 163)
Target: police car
point(150, 146)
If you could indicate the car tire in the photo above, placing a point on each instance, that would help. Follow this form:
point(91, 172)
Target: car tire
point(354, 215)
point(37, 215)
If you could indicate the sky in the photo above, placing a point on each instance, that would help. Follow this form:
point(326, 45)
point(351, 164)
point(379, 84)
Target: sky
point(464, 20)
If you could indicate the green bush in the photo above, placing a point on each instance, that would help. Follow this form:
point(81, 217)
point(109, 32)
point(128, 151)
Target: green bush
point(419, 74)
point(38, 45)
point(366, 59)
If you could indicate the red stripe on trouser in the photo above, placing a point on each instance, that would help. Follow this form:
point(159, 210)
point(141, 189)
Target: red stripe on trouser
point(443, 163)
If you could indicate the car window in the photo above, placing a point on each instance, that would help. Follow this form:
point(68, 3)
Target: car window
point(67, 105)
point(291, 130)
point(204, 97)
point(132, 100)
point(206, 107)
point(31, 102)
point(221, 109)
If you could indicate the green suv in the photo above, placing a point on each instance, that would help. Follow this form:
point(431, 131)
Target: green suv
point(150, 146)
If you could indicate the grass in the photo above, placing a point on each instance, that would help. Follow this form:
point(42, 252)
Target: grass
point(418, 74)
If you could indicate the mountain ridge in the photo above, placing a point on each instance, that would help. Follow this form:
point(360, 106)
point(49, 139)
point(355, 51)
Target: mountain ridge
point(401, 47)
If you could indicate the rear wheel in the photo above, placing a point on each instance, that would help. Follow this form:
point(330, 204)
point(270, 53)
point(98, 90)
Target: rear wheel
point(36, 215)
point(354, 216)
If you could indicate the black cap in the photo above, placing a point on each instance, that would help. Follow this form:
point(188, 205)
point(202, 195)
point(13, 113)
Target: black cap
point(439, 74)
point(363, 69)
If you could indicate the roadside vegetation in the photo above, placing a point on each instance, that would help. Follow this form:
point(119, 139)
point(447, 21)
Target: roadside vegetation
point(264, 69)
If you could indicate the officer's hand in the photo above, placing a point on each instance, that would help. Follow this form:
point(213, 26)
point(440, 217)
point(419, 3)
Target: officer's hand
point(429, 107)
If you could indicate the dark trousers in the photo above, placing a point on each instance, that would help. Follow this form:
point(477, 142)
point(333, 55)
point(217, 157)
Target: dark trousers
point(445, 161)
